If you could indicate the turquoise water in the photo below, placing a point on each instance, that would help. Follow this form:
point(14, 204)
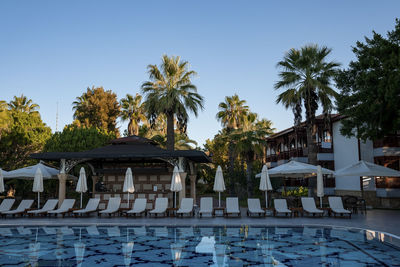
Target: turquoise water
point(195, 246)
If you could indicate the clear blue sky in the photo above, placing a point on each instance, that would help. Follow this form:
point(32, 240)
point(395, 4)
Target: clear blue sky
point(51, 51)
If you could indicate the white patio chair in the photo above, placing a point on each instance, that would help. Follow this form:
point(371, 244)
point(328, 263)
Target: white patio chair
point(21, 209)
point(206, 205)
point(309, 206)
point(254, 207)
point(112, 206)
point(6, 204)
point(48, 206)
point(66, 207)
point(280, 206)
point(161, 206)
point(232, 206)
point(186, 207)
point(336, 205)
point(91, 206)
point(139, 207)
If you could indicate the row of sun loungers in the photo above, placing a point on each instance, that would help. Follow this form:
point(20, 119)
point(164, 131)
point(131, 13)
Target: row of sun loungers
point(161, 207)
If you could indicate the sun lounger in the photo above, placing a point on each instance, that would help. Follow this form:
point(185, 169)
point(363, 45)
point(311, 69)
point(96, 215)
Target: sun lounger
point(139, 207)
point(92, 206)
point(48, 206)
point(6, 204)
point(113, 231)
point(92, 230)
point(140, 231)
point(254, 207)
point(22, 208)
point(336, 205)
point(112, 206)
point(186, 207)
point(160, 206)
point(66, 207)
point(206, 205)
point(309, 206)
point(232, 206)
point(281, 207)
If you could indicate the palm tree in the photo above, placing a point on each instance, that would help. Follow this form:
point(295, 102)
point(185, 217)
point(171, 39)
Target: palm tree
point(171, 92)
point(133, 110)
point(233, 115)
point(23, 104)
point(306, 76)
point(182, 141)
point(251, 142)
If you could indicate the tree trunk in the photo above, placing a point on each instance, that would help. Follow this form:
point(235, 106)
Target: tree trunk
point(130, 128)
point(249, 171)
point(231, 149)
point(170, 132)
point(312, 155)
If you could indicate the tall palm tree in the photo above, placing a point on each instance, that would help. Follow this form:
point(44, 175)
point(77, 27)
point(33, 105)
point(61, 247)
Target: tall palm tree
point(233, 114)
point(171, 92)
point(23, 104)
point(133, 110)
point(250, 142)
point(306, 75)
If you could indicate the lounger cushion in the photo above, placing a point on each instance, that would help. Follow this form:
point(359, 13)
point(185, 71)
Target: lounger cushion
point(206, 205)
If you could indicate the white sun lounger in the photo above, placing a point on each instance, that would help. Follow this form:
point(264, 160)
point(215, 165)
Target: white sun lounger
point(23, 206)
point(254, 207)
point(161, 206)
point(336, 205)
point(139, 207)
point(91, 206)
point(48, 206)
point(309, 206)
point(206, 206)
point(65, 207)
point(281, 207)
point(6, 204)
point(186, 207)
point(112, 206)
point(232, 206)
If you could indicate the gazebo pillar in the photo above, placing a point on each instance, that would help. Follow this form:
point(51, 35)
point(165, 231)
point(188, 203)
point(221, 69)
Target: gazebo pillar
point(192, 178)
point(94, 180)
point(182, 194)
point(62, 178)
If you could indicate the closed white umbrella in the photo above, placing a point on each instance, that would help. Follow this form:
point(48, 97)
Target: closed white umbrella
point(127, 252)
point(265, 183)
point(81, 186)
point(320, 184)
point(176, 183)
point(128, 183)
point(1, 181)
point(219, 184)
point(178, 253)
point(38, 184)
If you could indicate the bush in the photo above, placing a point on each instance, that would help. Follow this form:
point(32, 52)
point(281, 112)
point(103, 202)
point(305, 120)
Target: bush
point(299, 192)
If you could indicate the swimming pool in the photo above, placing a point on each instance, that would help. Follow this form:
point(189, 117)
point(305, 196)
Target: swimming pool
point(195, 246)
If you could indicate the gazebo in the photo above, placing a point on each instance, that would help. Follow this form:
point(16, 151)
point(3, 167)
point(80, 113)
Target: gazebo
point(151, 167)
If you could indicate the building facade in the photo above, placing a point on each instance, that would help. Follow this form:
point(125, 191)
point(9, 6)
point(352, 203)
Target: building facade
point(336, 151)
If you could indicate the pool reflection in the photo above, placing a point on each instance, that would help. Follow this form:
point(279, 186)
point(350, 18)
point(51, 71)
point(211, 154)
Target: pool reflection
point(185, 246)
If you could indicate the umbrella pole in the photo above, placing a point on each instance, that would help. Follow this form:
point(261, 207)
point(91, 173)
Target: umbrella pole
point(38, 200)
point(175, 200)
point(128, 201)
point(219, 199)
point(81, 200)
point(266, 199)
point(320, 201)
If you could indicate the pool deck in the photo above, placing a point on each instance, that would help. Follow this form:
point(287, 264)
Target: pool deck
point(387, 221)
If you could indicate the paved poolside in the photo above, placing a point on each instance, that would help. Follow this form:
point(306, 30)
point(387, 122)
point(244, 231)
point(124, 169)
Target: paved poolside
point(387, 221)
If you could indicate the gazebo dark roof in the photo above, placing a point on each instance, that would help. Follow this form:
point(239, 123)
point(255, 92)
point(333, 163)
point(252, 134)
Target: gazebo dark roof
point(131, 147)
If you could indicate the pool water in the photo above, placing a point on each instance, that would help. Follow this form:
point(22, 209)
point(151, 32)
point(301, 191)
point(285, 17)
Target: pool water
point(195, 246)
